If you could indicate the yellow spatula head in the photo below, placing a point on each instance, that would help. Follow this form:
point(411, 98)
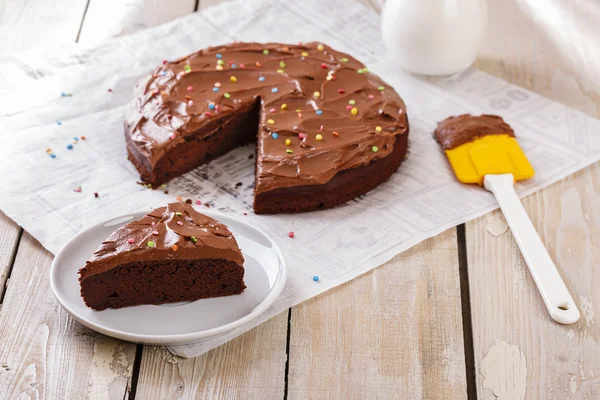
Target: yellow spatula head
point(491, 154)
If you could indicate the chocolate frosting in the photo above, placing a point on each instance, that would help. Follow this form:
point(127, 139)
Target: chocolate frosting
point(335, 113)
point(176, 232)
point(455, 131)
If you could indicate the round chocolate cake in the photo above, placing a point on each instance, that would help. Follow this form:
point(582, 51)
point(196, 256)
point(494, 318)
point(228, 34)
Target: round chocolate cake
point(327, 130)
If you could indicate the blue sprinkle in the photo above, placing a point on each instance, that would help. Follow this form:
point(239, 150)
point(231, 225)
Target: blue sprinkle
point(319, 112)
point(163, 73)
point(219, 55)
point(215, 89)
point(76, 139)
point(70, 146)
point(316, 278)
point(274, 90)
point(261, 78)
point(53, 155)
point(58, 123)
point(63, 94)
point(233, 65)
point(274, 135)
point(211, 106)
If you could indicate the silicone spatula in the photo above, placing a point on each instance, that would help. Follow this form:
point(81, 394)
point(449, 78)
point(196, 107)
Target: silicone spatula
point(496, 161)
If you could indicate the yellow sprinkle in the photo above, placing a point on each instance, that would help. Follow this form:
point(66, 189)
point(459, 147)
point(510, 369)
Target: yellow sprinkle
point(378, 128)
point(316, 94)
point(283, 106)
point(270, 122)
point(233, 79)
point(219, 68)
point(320, 47)
point(319, 137)
point(288, 142)
point(354, 111)
point(280, 71)
point(329, 77)
point(298, 110)
point(304, 54)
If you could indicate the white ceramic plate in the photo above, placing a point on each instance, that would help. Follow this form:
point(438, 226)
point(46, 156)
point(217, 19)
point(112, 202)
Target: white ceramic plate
point(176, 323)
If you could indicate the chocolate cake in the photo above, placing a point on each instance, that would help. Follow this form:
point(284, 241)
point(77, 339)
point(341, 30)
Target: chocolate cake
point(172, 254)
point(327, 130)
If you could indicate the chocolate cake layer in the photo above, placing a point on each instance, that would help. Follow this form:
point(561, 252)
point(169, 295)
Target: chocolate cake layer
point(316, 112)
point(141, 262)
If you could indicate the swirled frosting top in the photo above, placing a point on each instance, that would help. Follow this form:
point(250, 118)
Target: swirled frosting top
point(322, 111)
point(174, 232)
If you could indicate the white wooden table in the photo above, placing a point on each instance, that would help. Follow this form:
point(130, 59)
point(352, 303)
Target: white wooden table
point(457, 316)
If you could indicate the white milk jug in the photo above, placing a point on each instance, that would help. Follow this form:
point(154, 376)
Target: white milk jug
point(434, 37)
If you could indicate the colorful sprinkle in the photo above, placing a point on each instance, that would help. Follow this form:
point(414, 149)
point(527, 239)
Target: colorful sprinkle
point(174, 247)
point(193, 238)
point(335, 134)
point(77, 189)
point(233, 79)
point(374, 149)
point(180, 223)
point(242, 66)
point(345, 59)
point(58, 123)
point(378, 128)
point(299, 115)
point(316, 94)
point(211, 106)
point(371, 96)
point(354, 111)
point(217, 84)
point(178, 213)
point(341, 91)
point(52, 155)
point(151, 243)
point(219, 68)
point(82, 137)
point(198, 202)
point(330, 77)
point(304, 54)
point(266, 52)
point(319, 137)
point(76, 139)
point(274, 135)
point(233, 66)
point(301, 136)
point(288, 142)
point(272, 110)
point(353, 102)
point(190, 88)
point(270, 121)
point(226, 95)
point(220, 62)
point(261, 78)
point(219, 55)
point(380, 88)
point(69, 146)
point(323, 65)
point(155, 233)
point(320, 47)
point(316, 278)
point(187, 69)
point(348, 108)
point(291, 234)
point(280, 71)
point(190, 103)
point(289, 151)
point(172, 136)
point(258, 64)
point(131, 240)
point(360, 70)
point(274, 90)
point(215, 89)
point(283, 106)
point(319, 112)
point(282, 64)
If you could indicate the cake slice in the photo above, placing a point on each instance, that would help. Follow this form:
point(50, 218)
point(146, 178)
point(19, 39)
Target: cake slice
point(172, 254)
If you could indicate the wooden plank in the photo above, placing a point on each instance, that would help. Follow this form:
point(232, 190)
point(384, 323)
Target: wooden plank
point(10, 234)
point(44, 353)
point(109, 18)
point(519, 351)
point(29, 23)
point(252, 366)
point(395, 332)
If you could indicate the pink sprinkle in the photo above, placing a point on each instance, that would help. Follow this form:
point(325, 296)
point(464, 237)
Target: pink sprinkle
point(217, 107)
point(155, 233)
point(208, 114)
point(77, 189)
point(190, 103)
point(324, 66)
point(131, 240)
point(371, 96)
point(341, 91)
point(198, 202)
point(230, 62)
point(272, 110)
point(164, 63)
point(155, 91)
point(291, 235)
point(242, 66)
point(321, 128)
point(301, 135)
point(172, 136)
point(179, 223)
point(217, 84)
point(109, 90)
point(190, 88)
point(348, 107)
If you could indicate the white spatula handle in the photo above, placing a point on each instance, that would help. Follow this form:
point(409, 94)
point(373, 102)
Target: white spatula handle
point(556, 296)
